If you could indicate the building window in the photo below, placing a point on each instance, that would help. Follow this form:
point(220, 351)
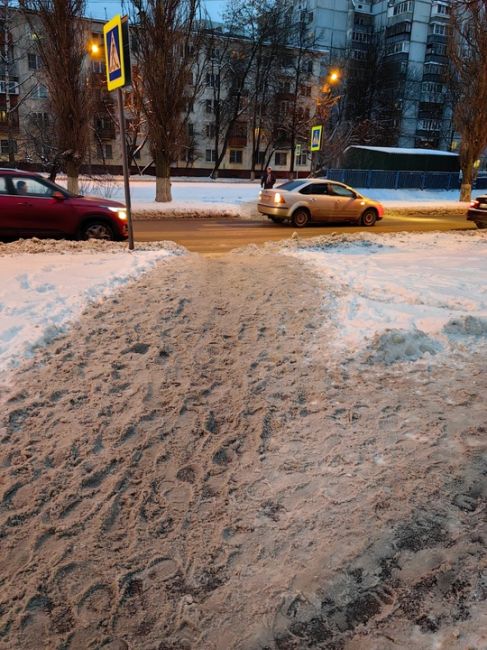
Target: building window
point(441, 9)
point(34, 61)
point(104, 151)
point(361, 37)
point(4, 148)
point(429, 125)
point(302, 159)
point(432, 87)
point(40, 92)
point(403, 8)
point(210, 130)
point(280, 159)
point(435, 69)
point(212, 79)
point(260, 158)
point(439, 29)
point(13, 86)
point(210, 105)
point(210, 155)
point(397, 48)
point(190, 129)
point(436, 49)
point(285, 86)
point(41, 120)
point(98, 67)
point(188, 155)
point(236, 156)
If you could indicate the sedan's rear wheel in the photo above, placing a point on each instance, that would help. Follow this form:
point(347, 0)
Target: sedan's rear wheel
point(97, 230)
point(369, 217)
point(300, 218)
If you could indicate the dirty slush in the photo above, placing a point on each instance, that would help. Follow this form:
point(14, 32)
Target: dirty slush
point(188, 468)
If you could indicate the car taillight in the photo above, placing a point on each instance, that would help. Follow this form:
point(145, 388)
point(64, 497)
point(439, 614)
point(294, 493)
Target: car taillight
point(278, 198)
point(475, 203)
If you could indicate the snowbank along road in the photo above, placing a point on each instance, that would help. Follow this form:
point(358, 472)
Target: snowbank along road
point(189, 467)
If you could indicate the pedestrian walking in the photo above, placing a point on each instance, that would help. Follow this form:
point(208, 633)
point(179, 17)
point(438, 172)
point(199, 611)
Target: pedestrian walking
point(268, 179)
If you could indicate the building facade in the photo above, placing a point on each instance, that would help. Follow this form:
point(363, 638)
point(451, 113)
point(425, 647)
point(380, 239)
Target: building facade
point(27, 126)
point(405, 38)
point(409, 40)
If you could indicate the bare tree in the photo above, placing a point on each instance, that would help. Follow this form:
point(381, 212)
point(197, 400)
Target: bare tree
point(62, 40)
point(168, 41)
point(467, 49)
point(12, 49)
point(250, 29)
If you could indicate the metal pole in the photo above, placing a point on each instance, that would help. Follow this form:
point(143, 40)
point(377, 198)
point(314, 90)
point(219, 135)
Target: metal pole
point(126, 183)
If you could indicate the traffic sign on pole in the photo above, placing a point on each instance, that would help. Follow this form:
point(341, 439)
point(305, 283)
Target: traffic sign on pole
point(117, 60)
point(117, 53)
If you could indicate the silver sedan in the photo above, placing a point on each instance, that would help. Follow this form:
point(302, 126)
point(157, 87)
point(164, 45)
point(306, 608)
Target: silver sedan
point(312, 200)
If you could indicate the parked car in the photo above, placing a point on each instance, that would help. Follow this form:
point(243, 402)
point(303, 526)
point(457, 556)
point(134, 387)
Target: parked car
point(477, 211)
point(307, 200)
point(32, 206)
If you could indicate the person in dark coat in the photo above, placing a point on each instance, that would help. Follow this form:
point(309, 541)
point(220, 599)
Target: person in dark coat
point(268, 179)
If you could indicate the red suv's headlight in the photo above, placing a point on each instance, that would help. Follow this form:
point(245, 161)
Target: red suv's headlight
point(120, 212)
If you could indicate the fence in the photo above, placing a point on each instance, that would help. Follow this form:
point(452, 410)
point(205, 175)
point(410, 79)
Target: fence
point(368, 178)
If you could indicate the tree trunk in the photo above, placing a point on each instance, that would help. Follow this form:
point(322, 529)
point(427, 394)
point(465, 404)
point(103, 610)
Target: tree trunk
point(465, 191)
point(163, 180)
point(72, 171)
point(467, 181)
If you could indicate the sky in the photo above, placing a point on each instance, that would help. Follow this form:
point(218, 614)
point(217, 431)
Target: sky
point(105, 10)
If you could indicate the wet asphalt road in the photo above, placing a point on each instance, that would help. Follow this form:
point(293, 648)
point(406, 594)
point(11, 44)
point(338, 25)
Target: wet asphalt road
point(217, 236)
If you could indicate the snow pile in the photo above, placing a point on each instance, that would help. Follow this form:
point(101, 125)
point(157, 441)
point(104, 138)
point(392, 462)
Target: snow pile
point(68, 247)
point(41, 294)
point(398, 345)
point(402, 296)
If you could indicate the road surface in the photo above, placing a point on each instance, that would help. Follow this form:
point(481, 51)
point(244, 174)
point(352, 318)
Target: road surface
point(214, 236)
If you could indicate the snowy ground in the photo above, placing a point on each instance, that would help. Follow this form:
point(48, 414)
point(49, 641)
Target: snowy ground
point(282, 448)
point(199, 197)
point(404, 294)
point(410, 292)
point(46, 285)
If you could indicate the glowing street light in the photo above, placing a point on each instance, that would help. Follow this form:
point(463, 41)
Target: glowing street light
point(334, 76)
point(94, 49)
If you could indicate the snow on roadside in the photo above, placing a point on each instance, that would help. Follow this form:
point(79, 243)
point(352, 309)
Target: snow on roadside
point(41, 293)
point(399, 297)
point(200, 198)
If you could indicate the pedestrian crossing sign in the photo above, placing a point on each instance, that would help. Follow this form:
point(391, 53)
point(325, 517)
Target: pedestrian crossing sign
point(316, 135)
point(117, 55)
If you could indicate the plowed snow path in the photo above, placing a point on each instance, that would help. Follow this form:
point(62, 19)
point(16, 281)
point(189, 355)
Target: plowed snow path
point(188, 469)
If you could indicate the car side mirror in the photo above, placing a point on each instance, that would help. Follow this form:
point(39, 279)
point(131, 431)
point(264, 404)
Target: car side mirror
point(59, 196)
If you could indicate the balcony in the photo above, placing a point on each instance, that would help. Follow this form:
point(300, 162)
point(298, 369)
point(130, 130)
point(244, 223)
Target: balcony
point(436, 38)
point(237, 141)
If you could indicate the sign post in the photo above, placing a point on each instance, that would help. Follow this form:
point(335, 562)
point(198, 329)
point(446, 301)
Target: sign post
point(117, 60)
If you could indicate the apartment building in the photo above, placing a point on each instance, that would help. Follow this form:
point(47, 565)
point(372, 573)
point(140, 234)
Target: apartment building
point(411, 36)
point(24, 95)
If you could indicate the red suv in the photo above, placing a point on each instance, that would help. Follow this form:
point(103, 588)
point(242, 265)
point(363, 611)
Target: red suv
point(32, 206)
